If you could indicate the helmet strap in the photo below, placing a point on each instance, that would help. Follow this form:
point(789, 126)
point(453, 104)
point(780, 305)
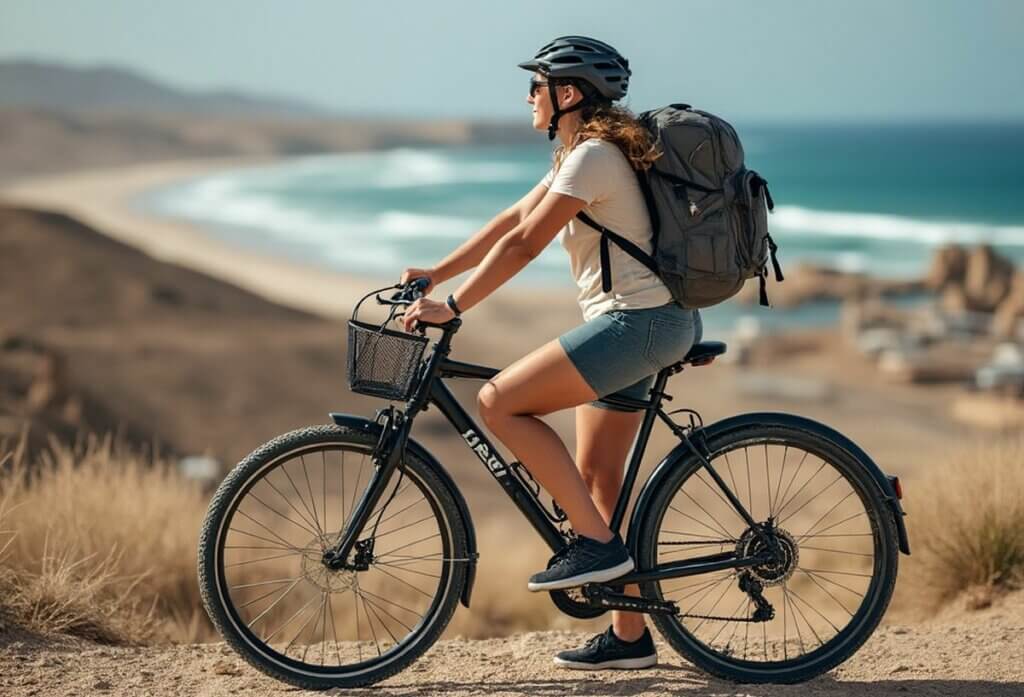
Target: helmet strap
point(557, 112)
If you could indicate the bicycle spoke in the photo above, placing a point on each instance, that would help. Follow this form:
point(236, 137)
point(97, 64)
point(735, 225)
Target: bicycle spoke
point(273, 604)
point(721, 528)
point(264, 583)
point(254, 561)
point(796, 624)
point(782, 476)
point(284, 470)
point(768, 477)
point(716, 492)
point(283, 541)
point(711, 610)
point(418, 590)
point(829, 593)
point(282, 515)
point(316, 613)
point(287, 545)
point(359, 477)
point(796, 473)
point(378, 607)
point(284, 498)
point(829, 511)
point(721, 629)
point(323, 493)
point(839, 551)
point(344, 515)
point(750, 495)
point(334, 629)
point(800, 490)
point(410, 544)
point(373, 632)
point(816, 610)
point(266, 640)
point(407, 525)
point(805, 504)
point(799, 538)
point(706, 593)
point(408, 571)
point(312, 498)
point(390, 602)
point(812, 576)
point(698, 522)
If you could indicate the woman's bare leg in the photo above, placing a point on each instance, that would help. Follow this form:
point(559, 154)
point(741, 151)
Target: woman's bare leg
point(540, 383)
point(603, 440)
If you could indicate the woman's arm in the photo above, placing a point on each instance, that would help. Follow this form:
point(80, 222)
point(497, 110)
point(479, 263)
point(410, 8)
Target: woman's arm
point(472, 251)
point(518, 248)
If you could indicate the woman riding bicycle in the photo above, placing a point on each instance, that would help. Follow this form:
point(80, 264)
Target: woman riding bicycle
point(629, 333)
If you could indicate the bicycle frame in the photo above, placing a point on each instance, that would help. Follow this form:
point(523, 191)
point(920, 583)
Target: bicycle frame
point(431, 390)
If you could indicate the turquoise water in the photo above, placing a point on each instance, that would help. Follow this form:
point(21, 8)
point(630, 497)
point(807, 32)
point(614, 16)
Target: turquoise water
point(872, 198)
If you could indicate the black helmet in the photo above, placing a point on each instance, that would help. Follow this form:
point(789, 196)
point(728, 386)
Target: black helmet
point(580, 58)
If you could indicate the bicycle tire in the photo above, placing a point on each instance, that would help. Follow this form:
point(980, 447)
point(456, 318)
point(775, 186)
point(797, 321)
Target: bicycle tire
point(877, 596)
point(225, 617)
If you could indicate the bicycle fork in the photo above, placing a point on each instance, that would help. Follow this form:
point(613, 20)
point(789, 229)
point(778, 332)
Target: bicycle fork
point(386, 456)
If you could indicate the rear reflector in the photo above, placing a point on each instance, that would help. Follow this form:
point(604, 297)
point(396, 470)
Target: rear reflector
point(896, 486)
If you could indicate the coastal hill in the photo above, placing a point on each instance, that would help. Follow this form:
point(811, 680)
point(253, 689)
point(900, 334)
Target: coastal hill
point(36, 84)
point(55, 119)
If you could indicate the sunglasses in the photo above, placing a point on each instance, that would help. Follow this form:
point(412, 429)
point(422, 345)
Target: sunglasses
point(536, 85)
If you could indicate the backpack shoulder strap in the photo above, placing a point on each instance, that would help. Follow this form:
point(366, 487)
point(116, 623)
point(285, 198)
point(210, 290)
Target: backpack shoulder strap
point(627, 246)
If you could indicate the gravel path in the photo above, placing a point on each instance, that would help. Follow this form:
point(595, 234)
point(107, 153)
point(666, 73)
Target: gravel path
point(974, 654)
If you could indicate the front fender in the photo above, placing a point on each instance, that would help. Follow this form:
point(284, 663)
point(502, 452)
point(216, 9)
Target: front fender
point(677, 456)
point(372, 427)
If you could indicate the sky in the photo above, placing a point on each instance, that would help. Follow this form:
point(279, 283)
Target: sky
point(783, 60)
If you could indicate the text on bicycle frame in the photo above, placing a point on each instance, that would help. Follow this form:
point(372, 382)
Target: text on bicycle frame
point(484, 453)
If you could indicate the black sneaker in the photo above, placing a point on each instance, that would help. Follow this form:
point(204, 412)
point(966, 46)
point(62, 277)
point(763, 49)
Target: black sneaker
point(584, 560)
point(609, 651)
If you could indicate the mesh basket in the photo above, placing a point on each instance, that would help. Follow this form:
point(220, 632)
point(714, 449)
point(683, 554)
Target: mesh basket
point(382, 362)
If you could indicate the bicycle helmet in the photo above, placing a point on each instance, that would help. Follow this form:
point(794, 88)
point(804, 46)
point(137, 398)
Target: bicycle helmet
point(580, 59)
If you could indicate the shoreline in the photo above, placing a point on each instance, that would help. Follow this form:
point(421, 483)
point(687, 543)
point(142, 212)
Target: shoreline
point(102, 199)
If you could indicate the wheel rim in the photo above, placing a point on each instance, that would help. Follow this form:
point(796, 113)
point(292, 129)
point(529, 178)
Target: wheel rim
point(822, 580)
point(287, 606)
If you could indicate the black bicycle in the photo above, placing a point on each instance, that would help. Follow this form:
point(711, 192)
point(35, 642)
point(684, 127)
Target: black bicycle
point(333, 556)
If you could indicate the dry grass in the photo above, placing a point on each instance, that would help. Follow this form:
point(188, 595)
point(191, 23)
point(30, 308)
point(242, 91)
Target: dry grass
point(966, 525)
point(100, 544)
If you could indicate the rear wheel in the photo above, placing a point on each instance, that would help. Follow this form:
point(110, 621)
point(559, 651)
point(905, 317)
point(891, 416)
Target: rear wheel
point(268, 592)
point(825, 589)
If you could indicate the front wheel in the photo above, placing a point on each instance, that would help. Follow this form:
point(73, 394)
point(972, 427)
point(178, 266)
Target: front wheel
point(828, 584)
point(268, 592)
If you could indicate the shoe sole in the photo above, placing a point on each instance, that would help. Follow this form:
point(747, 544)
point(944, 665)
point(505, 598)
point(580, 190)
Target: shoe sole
point(599, 576)
point(620, 663)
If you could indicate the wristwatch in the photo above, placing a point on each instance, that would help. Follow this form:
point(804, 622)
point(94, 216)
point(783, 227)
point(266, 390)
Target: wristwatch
point(450, 302)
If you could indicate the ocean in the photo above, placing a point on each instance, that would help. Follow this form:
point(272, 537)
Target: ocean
point(868, 198)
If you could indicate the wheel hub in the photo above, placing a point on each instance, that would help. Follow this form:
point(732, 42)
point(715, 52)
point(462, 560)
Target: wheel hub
point(316, 572)
point(783, 563)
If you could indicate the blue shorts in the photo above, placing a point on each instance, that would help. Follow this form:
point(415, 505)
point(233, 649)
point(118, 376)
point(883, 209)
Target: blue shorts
point(619, 352)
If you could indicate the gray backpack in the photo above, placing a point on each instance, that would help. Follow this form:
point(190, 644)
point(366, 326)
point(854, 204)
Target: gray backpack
point(708, 212)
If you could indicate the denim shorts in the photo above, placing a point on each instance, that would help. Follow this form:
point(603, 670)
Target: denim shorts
point(619, 352)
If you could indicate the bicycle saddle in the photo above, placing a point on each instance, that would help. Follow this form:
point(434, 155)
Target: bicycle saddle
point(704, 352)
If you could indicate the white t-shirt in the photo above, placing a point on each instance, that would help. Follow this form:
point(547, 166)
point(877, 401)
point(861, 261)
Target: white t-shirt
point(598, 173)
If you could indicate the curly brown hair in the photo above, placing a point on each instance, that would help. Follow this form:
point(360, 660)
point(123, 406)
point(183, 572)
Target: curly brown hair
point(617, 125)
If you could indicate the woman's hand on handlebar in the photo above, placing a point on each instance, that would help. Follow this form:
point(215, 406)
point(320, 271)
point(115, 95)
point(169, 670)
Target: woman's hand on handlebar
point(428, 311)
point(411, 274)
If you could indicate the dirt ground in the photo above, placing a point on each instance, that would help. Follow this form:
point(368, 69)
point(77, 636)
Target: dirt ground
point(976, 654)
